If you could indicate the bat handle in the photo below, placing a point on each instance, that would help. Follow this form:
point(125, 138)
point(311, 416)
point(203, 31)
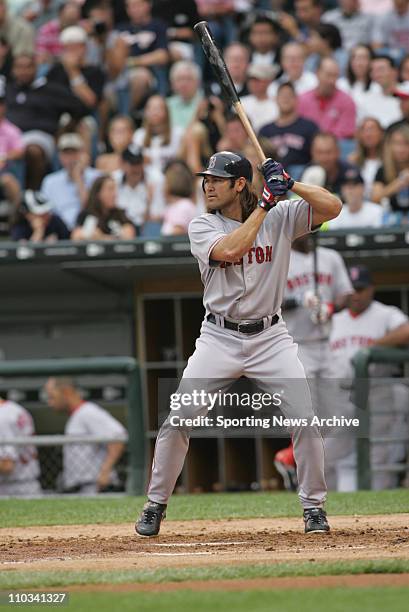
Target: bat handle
point(250, 132)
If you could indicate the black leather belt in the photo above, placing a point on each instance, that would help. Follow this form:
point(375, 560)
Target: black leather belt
point(245, 328)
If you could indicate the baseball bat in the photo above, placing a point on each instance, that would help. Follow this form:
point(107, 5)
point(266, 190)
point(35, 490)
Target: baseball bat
point(214, 55)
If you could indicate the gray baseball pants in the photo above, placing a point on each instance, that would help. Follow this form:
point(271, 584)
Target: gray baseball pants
point(268, 357)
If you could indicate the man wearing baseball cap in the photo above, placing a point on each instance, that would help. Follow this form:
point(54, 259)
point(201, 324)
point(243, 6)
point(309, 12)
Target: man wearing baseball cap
point(260, 108)
point(134, 193)
point(36, 222)
point(68, 188)
point(356, 212)
point(84, 81)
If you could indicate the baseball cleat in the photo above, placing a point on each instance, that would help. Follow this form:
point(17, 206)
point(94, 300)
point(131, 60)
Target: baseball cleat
point(148, 524)
point(315, 520)
point(285, 465)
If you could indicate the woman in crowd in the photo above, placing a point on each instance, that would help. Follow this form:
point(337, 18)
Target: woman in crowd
point(34, 220)
point(325, 41)
point(368, 153)
point(357, 80)
point(120, 133)
point(179, 189)
point(102, 219)
point(157, 139)
point(391, 186)
point(404, 69)
point(203, 134)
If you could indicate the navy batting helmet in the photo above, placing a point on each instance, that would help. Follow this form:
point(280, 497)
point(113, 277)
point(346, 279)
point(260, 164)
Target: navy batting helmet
point(228, 165)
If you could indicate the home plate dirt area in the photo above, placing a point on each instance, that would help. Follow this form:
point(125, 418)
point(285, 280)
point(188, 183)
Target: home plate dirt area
point(203, 543)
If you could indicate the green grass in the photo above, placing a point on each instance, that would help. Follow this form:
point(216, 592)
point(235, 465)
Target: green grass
point(23, 579)
point(310, 600)
point(70, 511)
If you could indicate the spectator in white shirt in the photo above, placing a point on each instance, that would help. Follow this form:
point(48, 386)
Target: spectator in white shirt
point(292, 62)
point(381, 103)
point(368, 153)
point(259, 107)
point(357, 80)
point(87, 468)
point(135, 191)
point(158, 140)
point(356, 212)
point(179, 189)
point(265, 40)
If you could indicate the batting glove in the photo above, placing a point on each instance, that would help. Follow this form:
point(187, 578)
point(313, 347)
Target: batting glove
point(268, 199)
point(273, 172)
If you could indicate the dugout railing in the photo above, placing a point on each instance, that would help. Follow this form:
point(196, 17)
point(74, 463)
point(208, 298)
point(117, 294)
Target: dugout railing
point(362, 383)
point(95, 365)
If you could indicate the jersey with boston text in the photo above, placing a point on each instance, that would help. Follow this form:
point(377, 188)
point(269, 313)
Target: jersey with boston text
point(350, 333)
point(253, 287)
point(333, 282)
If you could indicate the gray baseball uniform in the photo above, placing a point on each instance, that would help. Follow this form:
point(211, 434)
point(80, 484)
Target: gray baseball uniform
point(333, 282)
point(247, 290)
point(17, 422)
point(349, 334)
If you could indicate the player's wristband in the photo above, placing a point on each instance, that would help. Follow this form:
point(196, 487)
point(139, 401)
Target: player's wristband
point(290, 181)
point(268, 200)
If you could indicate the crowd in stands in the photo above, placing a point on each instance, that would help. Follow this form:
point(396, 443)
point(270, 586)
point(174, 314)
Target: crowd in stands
point(108, 108)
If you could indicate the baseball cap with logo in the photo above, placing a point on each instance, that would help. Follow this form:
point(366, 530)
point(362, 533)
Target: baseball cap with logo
point(352, 176)
point(70, 140)
point(360, 277)
point(72, 35)
point(132, 155)
point(402, 90)
point(34, 202)
point(226, 164)
point(262, 72)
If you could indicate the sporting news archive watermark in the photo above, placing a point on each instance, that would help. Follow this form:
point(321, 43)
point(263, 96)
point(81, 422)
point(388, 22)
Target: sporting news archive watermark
point(241, 408)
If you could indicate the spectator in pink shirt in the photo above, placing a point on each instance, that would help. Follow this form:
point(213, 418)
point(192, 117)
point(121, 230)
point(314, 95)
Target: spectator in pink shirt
point(11, 149)
point(180, 210)
point(48, 44)
point(330, 108)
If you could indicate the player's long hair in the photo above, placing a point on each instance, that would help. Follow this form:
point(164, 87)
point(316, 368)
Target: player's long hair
point(248, 200)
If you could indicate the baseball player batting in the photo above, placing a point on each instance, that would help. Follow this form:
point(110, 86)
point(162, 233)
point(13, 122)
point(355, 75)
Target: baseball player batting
point(242, 246)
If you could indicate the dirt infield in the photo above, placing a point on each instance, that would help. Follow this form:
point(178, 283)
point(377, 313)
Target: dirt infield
point(202, 543)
